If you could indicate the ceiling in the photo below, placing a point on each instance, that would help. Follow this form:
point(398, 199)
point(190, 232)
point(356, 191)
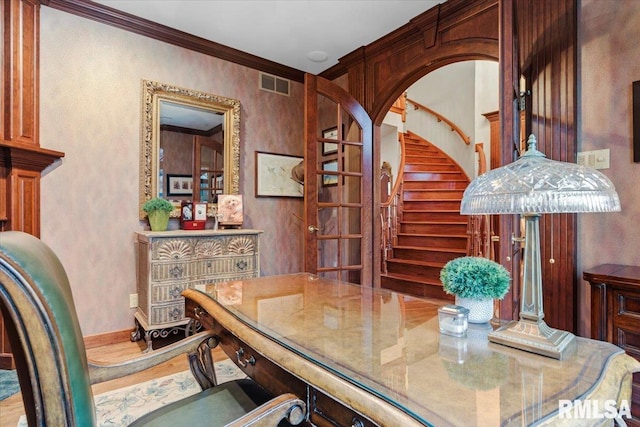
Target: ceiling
point(296, 33)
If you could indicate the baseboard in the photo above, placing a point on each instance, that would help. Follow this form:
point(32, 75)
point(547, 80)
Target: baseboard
point(7, 361)
point(107, 338)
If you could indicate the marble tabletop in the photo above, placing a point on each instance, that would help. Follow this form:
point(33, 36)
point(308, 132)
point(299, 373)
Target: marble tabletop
point(388, 345)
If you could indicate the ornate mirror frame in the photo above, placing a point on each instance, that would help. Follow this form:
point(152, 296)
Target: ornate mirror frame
point(152, 94)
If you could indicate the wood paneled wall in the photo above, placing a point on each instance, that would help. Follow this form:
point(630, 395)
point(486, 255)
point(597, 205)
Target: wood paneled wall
point(546, 57)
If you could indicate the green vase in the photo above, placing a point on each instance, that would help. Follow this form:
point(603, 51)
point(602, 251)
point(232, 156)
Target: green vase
point(158, 220)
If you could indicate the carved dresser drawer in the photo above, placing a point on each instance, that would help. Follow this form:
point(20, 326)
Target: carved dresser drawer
point(169, 262)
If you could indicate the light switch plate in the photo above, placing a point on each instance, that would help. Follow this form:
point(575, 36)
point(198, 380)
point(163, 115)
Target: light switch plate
point(597, 159)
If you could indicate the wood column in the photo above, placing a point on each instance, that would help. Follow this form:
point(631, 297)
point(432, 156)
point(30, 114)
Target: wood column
point(21, 158)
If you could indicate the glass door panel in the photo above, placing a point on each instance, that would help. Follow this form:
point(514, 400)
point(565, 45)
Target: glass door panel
point(336, 183)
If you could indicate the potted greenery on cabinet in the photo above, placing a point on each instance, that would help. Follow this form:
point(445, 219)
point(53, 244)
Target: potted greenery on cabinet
point(158, 211)
point(476, 282)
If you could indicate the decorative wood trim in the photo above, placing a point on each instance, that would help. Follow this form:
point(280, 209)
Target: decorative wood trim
point(494, 142)
point(27, 157)
point(21, 40)
point(450, 32)
point(128, 22)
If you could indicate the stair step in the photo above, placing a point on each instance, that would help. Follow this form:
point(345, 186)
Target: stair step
point(437, 227)
point(431, 240)
point(410, 142)
point(431, 205)
point(434, 168)
point(422, 175)
point(421, 158)
point(431, 215)
point(434, 255)
point(431, 184)
point(430, 167)
point(432, 194)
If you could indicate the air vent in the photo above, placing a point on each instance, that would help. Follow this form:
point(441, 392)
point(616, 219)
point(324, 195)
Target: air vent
point(275, 84)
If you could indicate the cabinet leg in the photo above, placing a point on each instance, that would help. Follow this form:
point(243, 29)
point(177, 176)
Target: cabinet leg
point(136, 335)
point(147, 338)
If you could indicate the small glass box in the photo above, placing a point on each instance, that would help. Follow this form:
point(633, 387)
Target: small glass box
point(453, 320)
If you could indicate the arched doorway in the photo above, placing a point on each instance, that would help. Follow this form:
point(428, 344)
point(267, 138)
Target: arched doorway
point(440, 122)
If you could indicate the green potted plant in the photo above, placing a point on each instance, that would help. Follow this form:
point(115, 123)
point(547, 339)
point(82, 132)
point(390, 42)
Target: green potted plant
point(476, 282)
point(158, 211)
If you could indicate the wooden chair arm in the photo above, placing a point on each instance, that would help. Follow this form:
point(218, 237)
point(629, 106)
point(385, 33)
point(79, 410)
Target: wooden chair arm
point(286, 406)
point(100, 372)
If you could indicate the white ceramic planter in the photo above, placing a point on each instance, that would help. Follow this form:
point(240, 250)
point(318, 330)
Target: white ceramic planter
point(480, 311)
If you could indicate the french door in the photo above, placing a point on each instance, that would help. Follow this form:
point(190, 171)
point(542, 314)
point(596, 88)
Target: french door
point(338, 184)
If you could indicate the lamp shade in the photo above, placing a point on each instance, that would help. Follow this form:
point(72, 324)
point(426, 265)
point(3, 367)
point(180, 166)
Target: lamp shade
point(535, 184)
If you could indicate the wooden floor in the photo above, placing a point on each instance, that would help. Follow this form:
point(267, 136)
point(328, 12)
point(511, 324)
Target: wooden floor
point(11, 409)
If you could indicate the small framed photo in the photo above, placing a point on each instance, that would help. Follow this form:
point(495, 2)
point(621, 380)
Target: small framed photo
point(199, 211)
point(330, 147)
point(330, 180)
point(230, 209)
point(193, 215)
point(179, 185)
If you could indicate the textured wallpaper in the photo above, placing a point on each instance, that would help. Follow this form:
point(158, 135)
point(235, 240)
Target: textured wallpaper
point(609, 51)
point(90, 109)
point(90, 96)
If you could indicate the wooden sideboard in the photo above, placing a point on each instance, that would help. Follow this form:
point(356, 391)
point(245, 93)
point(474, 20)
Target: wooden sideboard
point(615, 314)
point(168, 262)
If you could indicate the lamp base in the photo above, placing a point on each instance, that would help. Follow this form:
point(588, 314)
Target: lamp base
point(535, 337)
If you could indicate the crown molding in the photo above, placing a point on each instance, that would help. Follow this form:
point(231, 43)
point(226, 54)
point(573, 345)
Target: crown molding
point(110, 16)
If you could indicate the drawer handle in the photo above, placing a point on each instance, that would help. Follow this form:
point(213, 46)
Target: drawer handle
point(175, 313)
point(175, 292)
point(176, 272)
point(242, 361)
point(242, 264)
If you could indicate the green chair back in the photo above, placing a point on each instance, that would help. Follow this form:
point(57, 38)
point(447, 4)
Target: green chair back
point(44, 333)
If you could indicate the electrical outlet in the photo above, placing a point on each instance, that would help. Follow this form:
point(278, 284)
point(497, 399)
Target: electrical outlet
point(133, 300)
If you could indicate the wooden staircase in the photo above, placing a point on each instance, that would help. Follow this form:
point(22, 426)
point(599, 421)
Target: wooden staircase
point(430, 230)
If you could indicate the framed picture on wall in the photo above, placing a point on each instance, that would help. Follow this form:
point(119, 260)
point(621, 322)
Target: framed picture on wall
point(274, 175)
point(179, 185)
point(330, 180)
point(329, 147)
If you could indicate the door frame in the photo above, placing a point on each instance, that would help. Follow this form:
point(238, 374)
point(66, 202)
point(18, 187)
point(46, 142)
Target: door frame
point(315, 85)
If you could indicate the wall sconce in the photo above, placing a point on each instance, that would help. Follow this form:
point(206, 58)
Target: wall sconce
point(530, 186)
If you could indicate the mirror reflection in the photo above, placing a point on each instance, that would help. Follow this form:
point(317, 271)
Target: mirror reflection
point(191, 139)
point(190, 145)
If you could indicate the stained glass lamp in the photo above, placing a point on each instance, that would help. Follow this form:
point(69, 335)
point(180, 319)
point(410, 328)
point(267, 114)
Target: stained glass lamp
point(530, 186)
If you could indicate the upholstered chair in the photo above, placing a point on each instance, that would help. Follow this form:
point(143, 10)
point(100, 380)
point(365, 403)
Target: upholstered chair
point(55, 375)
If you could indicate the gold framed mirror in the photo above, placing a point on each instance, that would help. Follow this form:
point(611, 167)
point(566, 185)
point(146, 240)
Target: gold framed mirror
point(190, 146)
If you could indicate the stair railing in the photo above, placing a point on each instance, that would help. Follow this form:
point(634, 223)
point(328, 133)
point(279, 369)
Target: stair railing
point(478, 226)
point(441, 118)
point(389, 210)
